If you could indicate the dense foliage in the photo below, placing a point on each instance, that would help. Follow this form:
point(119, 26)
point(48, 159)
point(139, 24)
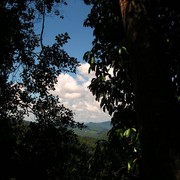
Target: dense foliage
point(113, 85)
point(113, 88)
point(45, 148)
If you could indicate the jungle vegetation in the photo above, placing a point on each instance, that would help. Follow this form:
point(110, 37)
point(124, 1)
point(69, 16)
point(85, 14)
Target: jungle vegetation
point(135, 57)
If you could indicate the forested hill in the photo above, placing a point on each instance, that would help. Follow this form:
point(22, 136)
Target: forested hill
point(101, 126)
point(93, 129)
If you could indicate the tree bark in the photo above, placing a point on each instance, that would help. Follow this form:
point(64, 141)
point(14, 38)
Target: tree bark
point(155, 102)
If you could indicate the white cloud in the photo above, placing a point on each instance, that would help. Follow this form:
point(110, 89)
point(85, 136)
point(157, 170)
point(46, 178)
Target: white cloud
point(83, 70)
point(80, 78)
point(74, 93)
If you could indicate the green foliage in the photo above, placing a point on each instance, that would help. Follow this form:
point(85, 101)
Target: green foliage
point(45, 148)
point(92, 133)
point(109, 58)
point(112, 86)
point(48, 147)
point(90, 142)
point(118, 157)
point(52, 152)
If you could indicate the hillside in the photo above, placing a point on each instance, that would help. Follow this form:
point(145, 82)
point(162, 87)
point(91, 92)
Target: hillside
point(92, 133)
point(95, 130)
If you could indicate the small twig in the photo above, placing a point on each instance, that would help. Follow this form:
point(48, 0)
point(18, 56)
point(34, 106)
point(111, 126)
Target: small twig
point(118, 171)
point(42, 30)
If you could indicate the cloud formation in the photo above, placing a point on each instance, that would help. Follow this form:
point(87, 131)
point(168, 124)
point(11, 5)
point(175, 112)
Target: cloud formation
point(73, 92)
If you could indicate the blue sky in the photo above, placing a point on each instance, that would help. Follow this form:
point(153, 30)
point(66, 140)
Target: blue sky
point(72, 89)
point(74, 15)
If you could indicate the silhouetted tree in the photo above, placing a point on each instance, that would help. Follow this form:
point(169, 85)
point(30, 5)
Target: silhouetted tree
point(152, 31)
point(135, 57)
point(46, 148)
point(112, 86)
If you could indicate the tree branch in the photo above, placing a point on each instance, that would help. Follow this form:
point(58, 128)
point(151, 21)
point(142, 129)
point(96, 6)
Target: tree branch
point(42, 29)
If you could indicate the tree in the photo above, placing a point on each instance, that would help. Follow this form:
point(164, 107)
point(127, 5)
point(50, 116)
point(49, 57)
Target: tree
point(152, 49)
point(28, 72)
point(112, 86)
point(149, 67)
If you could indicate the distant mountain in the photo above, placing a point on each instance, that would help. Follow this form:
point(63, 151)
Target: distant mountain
point(95, 130)
point(101, 126)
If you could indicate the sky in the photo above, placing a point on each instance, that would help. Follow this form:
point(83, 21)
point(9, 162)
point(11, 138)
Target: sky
point(72, 89)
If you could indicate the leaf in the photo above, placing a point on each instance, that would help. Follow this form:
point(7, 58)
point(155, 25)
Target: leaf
point(129, 166)
point(119, 133)
point(86, 56)
point(92, 60)
point(133, 129)
point(127, 133)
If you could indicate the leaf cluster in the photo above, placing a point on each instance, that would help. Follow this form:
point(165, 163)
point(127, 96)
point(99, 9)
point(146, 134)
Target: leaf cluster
point(109, 57)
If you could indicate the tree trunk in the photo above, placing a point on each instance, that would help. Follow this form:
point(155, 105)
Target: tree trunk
point(155, 102)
